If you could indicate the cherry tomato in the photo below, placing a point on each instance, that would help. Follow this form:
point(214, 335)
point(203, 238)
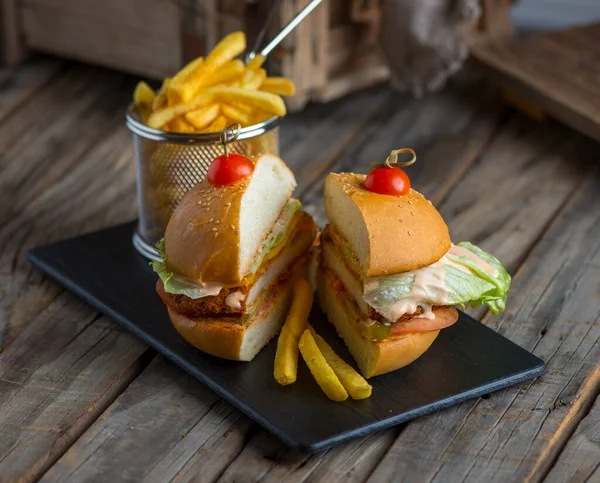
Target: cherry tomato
point(226, 170)
point(387, 181)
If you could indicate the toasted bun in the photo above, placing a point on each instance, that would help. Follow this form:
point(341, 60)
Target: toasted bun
point(373, 357)
point(226, 338)
point(387, 234)
point(216, 231)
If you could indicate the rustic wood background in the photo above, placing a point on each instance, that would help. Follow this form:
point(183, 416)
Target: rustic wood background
point(82, 400)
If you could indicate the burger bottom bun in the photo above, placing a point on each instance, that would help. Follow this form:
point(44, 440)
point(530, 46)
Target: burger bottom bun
point(373, 357)
point(225, 337)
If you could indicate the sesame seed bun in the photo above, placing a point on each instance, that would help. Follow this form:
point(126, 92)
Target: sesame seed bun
point(216, 231)
point(387, 234)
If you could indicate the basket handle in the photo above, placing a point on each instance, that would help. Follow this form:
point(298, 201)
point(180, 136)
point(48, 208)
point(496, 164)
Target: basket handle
point(292, 24)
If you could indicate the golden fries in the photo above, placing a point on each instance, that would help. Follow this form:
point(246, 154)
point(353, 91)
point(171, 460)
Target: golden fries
point(286, 357)
point(319, 368)
point(200, 118)
point(143, 95)
point(356, 385)
point(253, 78)
point(210, 91)
point(262, 100)
point(256, 62)
point(161, 98)
point(236, 114)
point(278, 85)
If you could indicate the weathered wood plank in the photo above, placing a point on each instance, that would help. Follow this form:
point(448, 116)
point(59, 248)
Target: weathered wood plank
point(181, 458)
point(551, 70)
point(40, 147)
point(580, 460)
point(42, 345)
point(553, 311)
point(17, 84)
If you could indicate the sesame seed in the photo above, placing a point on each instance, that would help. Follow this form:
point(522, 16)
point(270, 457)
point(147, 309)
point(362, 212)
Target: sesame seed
point(401, 220)
point(400, 206)
point(199, 202)
point(211, 220)
point(233, 227)
point(214, 229)
point(412, 213)
point(410, 202)
point(228, 204)
point(217, 222)
point(216, 234)
point(409, 233)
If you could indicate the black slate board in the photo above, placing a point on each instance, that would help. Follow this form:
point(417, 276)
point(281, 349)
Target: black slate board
point(466, 360)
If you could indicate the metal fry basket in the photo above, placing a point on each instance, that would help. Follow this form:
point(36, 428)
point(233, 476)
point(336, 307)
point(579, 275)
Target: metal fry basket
point(170, 163)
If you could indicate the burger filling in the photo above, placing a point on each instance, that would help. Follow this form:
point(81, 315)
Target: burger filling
point(419, 300)
point(289, 240)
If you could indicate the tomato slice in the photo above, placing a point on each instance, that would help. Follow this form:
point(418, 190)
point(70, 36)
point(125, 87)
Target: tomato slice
point(444, 317)
point(228, 169)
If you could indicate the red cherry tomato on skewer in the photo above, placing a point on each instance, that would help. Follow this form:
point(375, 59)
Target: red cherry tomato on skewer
point(388, 181)
point(228, 169)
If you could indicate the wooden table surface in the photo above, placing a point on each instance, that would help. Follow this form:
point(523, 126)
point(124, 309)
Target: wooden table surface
point(83, 400)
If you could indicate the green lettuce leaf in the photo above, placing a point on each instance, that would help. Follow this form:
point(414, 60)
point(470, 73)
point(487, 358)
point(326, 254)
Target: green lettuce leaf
point(173, 283)
point(452, 280)
point(277, 234)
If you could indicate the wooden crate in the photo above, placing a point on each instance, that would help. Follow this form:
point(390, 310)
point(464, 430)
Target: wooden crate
point(333, 52)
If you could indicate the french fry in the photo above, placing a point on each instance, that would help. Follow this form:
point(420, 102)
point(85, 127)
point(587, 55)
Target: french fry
point(160, 100)
point(228, 72)
point(262, 100)
point(200, 118)
point(165, 115)
point(256, 62)
point(254, 78)
point(319, 368)
point(278, 85)
point(228, 48)
point(286, 357)
point(356, 385)
point(143, 96)
point(217, 125)
point(187, 70)
point(237, 115)
point(179, 124)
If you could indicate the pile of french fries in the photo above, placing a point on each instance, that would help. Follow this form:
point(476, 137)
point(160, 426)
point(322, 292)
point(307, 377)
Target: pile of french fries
point(337, 379)
point(212, 92)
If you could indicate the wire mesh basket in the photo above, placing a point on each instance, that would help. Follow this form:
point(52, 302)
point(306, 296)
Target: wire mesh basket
point(169, 164)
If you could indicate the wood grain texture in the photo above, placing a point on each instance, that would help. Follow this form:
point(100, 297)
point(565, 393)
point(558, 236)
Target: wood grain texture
point(553, 310)
point(558, 71)
point(41, 147)
point(62, 363)
point(18, 84)
point(580, 460)
point(136, 36)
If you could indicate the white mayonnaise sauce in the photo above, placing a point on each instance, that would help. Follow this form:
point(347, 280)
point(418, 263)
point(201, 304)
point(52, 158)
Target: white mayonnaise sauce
point(234, 300)
point(427, 279)
point(429, 286)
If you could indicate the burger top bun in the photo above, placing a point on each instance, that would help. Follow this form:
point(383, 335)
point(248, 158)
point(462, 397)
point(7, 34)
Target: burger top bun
point(216, 231)
point(387, 234)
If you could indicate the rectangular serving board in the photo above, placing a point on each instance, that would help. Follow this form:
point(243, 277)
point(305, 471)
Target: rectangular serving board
point(467, 360)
